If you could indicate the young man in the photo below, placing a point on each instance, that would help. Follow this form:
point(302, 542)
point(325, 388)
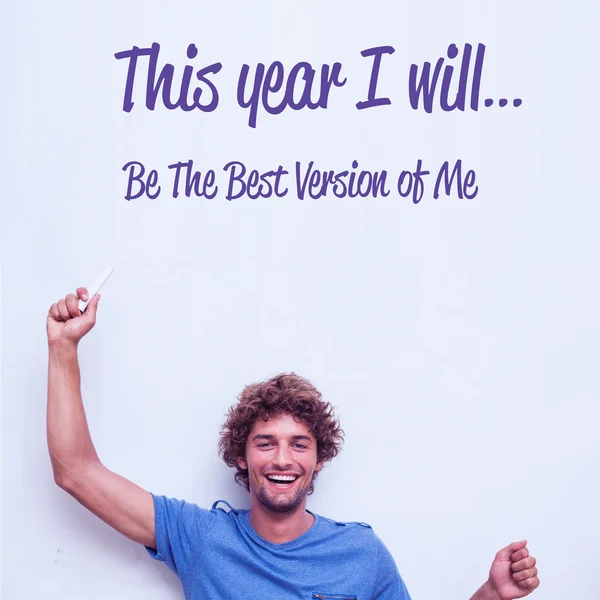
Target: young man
point(277, 437)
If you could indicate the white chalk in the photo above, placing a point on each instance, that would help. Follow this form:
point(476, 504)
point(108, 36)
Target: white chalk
point(94, 288)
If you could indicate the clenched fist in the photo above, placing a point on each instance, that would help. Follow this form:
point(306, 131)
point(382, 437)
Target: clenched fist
point(66, 323)
point(513, 573)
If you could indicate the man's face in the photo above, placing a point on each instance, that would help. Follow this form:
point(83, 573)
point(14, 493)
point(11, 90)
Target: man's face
point(281, 458)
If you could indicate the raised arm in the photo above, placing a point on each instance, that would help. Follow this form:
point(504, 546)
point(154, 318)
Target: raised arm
point(77, 468)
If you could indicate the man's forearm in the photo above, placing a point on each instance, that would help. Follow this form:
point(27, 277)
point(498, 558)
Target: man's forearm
point(69, 441)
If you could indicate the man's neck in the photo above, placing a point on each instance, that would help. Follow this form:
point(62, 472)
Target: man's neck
point(279, 528)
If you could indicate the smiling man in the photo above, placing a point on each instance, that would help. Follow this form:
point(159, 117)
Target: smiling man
point(278, 436)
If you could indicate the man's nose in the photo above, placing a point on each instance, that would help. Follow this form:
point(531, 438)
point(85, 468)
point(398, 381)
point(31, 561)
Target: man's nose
point(283, 456)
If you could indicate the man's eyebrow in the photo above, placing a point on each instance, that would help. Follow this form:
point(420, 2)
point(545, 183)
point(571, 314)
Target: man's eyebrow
point(265, 436)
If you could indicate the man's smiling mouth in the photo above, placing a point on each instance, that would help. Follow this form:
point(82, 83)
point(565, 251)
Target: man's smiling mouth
point(282, 480)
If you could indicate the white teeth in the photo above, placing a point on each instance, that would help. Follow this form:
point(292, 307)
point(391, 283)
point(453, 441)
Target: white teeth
point(282, 478)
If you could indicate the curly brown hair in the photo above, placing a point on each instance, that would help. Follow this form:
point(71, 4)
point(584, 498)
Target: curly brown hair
point(286, 393)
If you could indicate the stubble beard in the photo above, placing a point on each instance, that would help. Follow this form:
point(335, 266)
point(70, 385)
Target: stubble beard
point(281, 505)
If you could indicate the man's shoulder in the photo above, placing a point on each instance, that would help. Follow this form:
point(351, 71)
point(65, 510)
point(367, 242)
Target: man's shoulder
point(223, 507)
point(360, 531)
point(227, 515)
point(350, 531)
point(189, 514)
point(347, 524)
point(352, 538)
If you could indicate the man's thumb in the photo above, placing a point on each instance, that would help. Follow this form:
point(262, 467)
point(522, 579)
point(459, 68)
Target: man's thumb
point(92, 307)
point(507, 552)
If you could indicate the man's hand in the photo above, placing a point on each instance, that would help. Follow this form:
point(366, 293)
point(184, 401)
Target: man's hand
point(66, 323)
point(513, 573)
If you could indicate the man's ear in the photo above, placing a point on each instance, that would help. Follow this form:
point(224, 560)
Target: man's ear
point(242, 464)
point(319, 466)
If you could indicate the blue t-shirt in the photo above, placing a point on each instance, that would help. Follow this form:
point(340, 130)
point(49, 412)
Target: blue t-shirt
point(217, 555)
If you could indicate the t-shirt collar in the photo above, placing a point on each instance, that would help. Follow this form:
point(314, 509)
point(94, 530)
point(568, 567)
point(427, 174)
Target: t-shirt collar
point(309, 533)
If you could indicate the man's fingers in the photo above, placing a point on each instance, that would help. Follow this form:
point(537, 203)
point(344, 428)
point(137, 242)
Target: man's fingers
point(82, 293)
point(513, 549)
point(63, 311)
point(72, 305)
point(68, 308)
point(519, 554)
point(523, 564)
point(530, 584)
point(53, 312)
point(526, 574)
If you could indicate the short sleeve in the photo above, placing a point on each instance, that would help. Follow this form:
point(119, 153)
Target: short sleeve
point(180, 526)
point(388, 585)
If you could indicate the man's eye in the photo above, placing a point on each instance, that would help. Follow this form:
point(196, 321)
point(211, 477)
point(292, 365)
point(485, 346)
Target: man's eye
point(301, 446)
point(264, 445)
